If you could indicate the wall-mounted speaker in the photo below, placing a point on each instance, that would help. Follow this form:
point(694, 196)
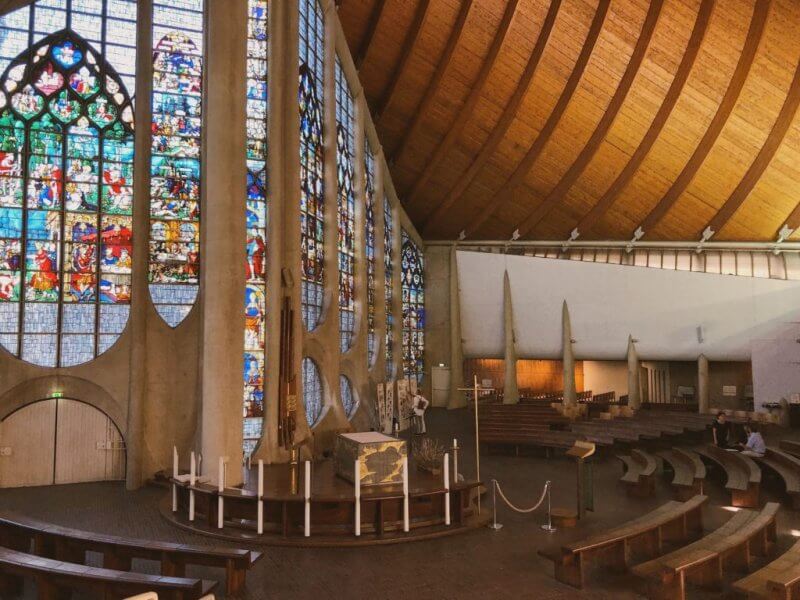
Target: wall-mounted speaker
point(701, 334)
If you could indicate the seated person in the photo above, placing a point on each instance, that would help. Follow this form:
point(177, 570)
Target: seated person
point(721, 430)
point(755, 445)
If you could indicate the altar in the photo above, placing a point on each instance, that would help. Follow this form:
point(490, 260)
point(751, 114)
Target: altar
point(381, 457)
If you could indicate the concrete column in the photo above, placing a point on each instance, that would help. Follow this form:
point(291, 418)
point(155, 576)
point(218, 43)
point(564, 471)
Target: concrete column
point(141, 225)
point(456, 398)
point(634, 397)
point(570, 392)
point(511, 391)
point(702, 384)
point(223, 236)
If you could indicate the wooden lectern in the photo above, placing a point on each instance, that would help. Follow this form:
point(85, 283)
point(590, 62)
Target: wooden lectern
point(580, 451)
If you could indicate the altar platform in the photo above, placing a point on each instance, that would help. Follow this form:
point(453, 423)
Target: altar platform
point(332, 508)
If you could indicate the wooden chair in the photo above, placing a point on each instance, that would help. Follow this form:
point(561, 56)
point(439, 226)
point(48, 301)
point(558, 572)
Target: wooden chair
point(642, 536)
point(788, 468)
point(703, 562)
point(780, 579)
point(640, 470)
point(689, 472)
point(791, 447)
point(70, 545)
point(55, 580)
point(744, 475)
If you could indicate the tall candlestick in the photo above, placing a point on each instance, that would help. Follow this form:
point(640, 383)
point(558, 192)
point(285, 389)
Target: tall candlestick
point(192, 469)
point(307, 528)
point(174, 477)
point(406, 523)
point(221, 477)
point(447, 489)
point(357, 480)
point(175, 462)
point(455, 460)
point(260, 496)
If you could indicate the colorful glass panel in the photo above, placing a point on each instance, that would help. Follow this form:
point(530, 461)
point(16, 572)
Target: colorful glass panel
point(255, 304)
point(175, 158)
point(345, 158)
point(413, 294)
point(348, 398)
point(312, 163)
point(66, 196)
point(388, 269)
point(312, 391)
point(369, 192)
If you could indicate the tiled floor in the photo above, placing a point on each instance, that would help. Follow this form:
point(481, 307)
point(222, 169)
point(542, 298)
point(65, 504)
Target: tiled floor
point(479, 564)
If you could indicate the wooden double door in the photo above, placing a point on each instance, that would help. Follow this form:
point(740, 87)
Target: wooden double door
point(58, 441)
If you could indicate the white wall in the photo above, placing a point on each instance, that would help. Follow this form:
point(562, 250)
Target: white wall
point(661, 309)
point(776, 366)
point(603, 376)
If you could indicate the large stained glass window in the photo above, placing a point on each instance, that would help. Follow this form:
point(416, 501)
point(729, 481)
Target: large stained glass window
point(312, 195)
point(345, 147)
point(388, 268)
point(413, 294)
point(66, 170)
point(312, 391)
point(175, 162)
point(349, 402)
point(255, 305)
point(369, 189)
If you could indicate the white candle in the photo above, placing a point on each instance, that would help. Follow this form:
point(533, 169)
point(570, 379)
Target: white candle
point(406, 521)
point(174, 477)
point(447, 488)
point(260, 478)
point(192, 470)
point(175, 462)
point(221, 476)
point(455, 460)
point(358, 496)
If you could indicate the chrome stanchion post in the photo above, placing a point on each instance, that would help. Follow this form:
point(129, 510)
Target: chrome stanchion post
point(495, 526)
point(548, 527)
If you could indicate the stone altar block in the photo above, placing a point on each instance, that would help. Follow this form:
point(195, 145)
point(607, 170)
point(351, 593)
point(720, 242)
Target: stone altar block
point(381, 457)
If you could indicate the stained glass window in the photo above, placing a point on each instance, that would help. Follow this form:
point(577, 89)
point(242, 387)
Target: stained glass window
point(255, 305)
point(348, 399)
point(66, 167)
point(345, 147)
point(175, 162)
point(312, 194)
point(312, 391)
point(388, 268)
point(413, 294)
point(369, 189)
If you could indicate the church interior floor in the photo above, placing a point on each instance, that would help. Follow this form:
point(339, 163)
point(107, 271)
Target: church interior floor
point(477, 564)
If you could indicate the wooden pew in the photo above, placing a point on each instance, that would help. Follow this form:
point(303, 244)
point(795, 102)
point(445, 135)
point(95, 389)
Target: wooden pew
point(689, 472)
point(778, 579)
point(744, 475)
point(640, 473)
point(70, 545)
point(55, 580)
point(748, 532)
point(642, 536)
point(788, 468)
point(790, 447)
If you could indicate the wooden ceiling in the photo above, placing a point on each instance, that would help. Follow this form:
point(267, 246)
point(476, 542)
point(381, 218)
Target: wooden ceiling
point(590, 116)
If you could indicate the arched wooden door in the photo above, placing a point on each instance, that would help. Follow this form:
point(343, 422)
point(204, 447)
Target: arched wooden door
point(58, 441)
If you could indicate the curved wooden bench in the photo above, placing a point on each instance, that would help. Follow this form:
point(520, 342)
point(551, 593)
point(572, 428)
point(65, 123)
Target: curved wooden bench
point(744, 475)
point(689, 472)
point(642, 536)
point(788, 468)
point(70, 545)
point(790, 446)
point(55, 578)
point(702, 562)
point(640, 470)
point(778, 579)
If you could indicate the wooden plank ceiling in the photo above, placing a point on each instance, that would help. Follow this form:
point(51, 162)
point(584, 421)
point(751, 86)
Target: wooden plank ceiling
point(596, 119)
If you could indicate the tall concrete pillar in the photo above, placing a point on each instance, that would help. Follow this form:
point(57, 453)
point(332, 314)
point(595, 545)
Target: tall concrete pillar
point(456, 398)
point(141, 223)
point(702, 384)
point(634, 397)
point(570, 392)
point(511, 391)
point(223, 238)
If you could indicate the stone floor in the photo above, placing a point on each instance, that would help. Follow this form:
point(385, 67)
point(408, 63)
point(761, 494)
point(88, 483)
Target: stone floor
point(478, 564)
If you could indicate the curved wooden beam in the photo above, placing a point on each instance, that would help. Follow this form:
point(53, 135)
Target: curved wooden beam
point(499, 131)
point(408, 45)
point(433, 84)
point(467, 108)
point(724, 110)
point(665, 110)
point(764, 157)
point(599, 134)
point(502, 195)
point(374, 19)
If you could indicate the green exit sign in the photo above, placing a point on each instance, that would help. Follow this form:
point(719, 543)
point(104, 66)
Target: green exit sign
point(57, 395)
